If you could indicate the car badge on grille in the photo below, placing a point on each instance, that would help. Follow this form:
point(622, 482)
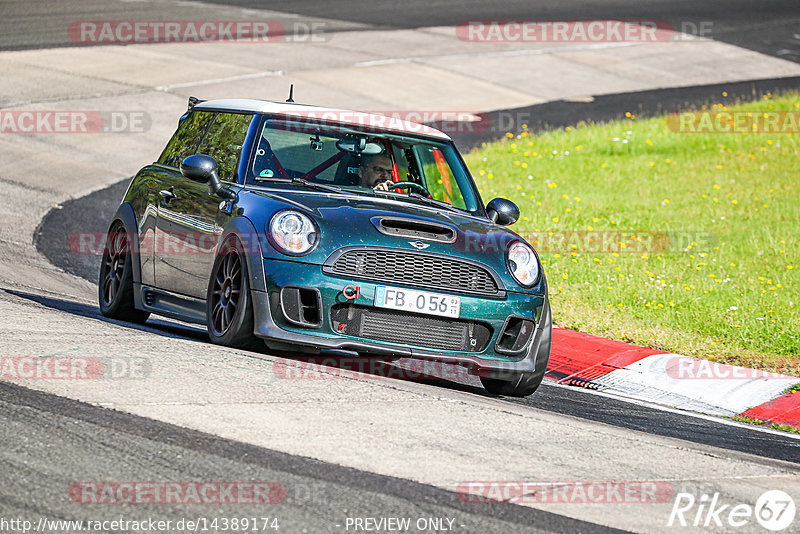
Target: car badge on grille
point(419, 245)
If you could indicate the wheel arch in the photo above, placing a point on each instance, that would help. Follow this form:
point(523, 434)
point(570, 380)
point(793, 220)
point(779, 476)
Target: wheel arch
point(244, 230)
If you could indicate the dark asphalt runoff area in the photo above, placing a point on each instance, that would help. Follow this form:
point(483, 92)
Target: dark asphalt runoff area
point(604, 108)
point(47, 439)
point(771, 27)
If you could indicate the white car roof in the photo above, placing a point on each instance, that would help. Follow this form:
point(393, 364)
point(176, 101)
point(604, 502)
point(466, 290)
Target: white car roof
point(346, 117)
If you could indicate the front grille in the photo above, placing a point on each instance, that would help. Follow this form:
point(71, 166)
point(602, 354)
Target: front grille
point(410, 328)
point(408, 268)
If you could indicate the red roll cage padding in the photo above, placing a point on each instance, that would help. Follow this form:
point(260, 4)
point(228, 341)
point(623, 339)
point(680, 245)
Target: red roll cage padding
point(387, 146)
point(322, 166)
point(278, 165)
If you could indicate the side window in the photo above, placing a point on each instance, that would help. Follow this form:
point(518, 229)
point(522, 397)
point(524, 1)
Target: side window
point(224, 140)
point(186, 138)
point(438, 177)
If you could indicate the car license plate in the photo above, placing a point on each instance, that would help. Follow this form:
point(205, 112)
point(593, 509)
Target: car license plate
point(417, 301)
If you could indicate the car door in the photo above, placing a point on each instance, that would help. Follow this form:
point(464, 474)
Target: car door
point(190, 220)
point(184, 143)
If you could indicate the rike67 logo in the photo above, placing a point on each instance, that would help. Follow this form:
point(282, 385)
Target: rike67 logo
point(774, 510)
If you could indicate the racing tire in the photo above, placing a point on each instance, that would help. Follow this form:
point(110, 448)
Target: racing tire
point(523, 385)
point(229, 308)
point(115, 284)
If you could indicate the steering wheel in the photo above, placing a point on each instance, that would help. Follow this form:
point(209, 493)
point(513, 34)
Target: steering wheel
point(411, 185)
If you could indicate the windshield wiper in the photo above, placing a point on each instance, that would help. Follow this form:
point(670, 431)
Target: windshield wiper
point(314, 185)
point(301, 181)
point(432, 201)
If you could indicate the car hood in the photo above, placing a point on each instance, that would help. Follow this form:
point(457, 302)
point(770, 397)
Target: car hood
point(348, 220)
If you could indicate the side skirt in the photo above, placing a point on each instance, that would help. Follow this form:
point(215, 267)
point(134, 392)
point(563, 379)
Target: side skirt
point(172, 305)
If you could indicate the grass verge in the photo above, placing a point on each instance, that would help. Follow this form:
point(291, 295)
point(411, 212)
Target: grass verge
point(687, 242)
point(773, 426)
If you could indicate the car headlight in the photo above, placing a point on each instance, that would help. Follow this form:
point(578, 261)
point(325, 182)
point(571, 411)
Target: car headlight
point(523, 264)
point(293, 232)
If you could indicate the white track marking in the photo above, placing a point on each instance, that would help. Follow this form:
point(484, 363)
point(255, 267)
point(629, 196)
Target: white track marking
point(221, 80)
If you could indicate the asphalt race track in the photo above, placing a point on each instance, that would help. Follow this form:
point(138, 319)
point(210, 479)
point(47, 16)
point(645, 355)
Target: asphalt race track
point(58, 428)
point(91, 213)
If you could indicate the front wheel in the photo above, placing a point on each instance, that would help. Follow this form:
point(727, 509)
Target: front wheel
point(115, 286)
point(523, 385)
point(229, 309)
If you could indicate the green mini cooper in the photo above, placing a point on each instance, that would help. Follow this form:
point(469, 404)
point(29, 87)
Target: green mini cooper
point(311, 229)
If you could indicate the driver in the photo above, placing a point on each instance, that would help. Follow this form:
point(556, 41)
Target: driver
point(375, 172)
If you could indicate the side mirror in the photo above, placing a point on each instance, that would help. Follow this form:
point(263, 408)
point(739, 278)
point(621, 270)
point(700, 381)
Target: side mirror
point(203, 169)
point(502, 211)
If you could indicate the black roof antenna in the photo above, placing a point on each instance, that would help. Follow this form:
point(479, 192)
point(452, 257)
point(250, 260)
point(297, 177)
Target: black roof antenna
point(291, 92)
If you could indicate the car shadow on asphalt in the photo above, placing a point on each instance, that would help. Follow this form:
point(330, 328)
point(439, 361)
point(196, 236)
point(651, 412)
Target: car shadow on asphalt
point(333, 364)
point(164, 327)
point(342, 364)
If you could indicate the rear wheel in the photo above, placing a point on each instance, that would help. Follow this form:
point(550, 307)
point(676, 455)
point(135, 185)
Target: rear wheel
point(115, 286)
point(229, 308)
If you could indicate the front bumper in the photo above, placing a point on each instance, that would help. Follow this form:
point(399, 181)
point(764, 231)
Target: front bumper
point(271, 324)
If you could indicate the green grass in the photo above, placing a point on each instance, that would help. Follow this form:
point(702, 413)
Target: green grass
point(709, 226)
point(758, 422)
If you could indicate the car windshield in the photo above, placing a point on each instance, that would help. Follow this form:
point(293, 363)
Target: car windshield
point(375, 164)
